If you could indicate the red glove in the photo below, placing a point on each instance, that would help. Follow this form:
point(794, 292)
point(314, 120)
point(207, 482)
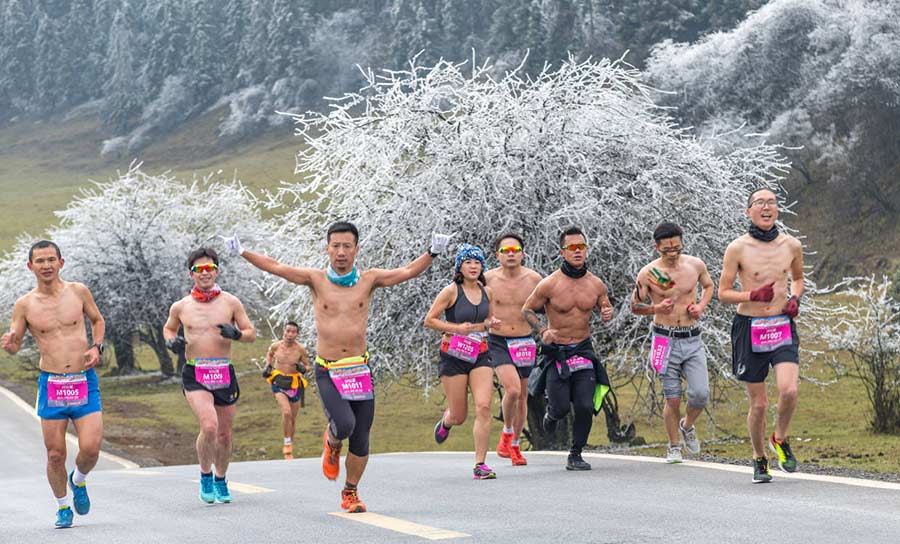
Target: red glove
point(763, 294)
point(792, 308)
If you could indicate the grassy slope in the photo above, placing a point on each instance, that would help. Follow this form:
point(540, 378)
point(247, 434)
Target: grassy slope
point(41, 166)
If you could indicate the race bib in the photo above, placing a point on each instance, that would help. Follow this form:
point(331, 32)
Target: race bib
point(465, 348)
point(659, 353)
point(65, 390)
point(769, 333)
point(212, 374)
point(576, 363)
point(353, 382)
point(522, 351)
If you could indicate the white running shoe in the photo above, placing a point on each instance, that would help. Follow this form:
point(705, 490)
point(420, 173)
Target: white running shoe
point(689, 436)
point(674, 455)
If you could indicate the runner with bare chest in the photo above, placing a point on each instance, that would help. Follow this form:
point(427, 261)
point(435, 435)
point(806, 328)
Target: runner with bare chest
point(68, 387)
point(763, 333)
point(212, 320)
point(570, 368)
point(512, 348)
point(676, 352)
point(286, 362)
point(341, 296)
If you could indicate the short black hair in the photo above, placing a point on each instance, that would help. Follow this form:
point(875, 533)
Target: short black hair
point(570, 231)
point(342, 226)
point(292, 324)
point(667, 230)
point(42, 244)
point(754, 191)
point(200, 253)
point(506, 235)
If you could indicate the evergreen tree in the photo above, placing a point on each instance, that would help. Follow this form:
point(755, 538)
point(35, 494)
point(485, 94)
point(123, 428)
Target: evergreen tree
point(252, 51)
point(288, 39)
point(165, 54)
point(204, 62)
point(122, 90)
point(16, 57)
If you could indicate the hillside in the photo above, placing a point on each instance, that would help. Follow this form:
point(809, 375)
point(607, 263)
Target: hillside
point(42, 164)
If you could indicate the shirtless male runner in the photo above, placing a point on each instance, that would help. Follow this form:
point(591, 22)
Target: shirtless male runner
point(212, 319)
point(341, 296)
point(68, 388)
point(676, 352)
point(763, 332)
point(573, 371)
point(286, 362)
point(511, 346)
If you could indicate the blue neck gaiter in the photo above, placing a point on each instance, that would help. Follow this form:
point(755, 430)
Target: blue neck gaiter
point(347, 280)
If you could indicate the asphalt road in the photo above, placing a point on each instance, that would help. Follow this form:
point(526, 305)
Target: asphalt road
point(418, 496)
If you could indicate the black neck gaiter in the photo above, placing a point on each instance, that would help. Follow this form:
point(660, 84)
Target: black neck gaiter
point(763, 235)
point(571, 271)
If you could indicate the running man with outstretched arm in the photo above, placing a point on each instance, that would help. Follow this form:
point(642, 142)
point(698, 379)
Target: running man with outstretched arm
point(341, 296)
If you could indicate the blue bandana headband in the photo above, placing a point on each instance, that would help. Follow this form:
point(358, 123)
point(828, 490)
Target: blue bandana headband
point(468, 251)
point(347, 280)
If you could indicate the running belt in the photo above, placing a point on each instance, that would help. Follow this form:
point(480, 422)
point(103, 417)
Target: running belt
point(677, 332)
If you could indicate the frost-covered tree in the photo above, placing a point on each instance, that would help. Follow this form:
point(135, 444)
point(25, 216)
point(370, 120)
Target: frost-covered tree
point(821, 74)
point(128, 239)
point(450, 150)
point(122, 89)
point(868, 332)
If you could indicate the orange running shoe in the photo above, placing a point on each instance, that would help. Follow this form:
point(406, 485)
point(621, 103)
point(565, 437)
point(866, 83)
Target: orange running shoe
point(504, 444)
point(516, 456)
point(350, 501)
point(331, 458)
point(288, 451)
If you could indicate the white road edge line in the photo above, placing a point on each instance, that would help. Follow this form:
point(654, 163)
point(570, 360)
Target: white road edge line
point(70, 438)
point(843, 480)
point(401, 526)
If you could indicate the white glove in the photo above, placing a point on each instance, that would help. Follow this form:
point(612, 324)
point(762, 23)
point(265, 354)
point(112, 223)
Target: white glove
point(439, 242)
point(233, 245)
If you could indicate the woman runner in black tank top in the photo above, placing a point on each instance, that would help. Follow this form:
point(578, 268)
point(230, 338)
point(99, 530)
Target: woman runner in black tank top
point(464, 362)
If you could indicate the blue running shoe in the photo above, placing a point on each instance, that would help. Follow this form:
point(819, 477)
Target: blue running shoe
point(222, 494)
point(207, 493)
point(64, 517)
point(81, 500)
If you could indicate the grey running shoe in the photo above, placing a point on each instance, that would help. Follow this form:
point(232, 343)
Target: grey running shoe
point(673, 455)
point(689, 436)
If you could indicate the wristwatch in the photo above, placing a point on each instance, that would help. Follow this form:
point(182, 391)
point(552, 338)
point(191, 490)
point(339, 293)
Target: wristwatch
point(100, 347)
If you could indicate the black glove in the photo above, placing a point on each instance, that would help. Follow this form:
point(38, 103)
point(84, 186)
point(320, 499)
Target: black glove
point(176, 345)
point(230, 331)
point(267, 372)
point(300, 368)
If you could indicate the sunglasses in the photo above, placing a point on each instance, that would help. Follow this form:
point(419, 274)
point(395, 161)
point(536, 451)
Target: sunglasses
point(509, 249)
point(208, 267)
point(668, 250)
point(575, 247)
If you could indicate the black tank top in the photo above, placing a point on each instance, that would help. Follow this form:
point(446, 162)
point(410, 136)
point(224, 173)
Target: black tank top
point(464, 311)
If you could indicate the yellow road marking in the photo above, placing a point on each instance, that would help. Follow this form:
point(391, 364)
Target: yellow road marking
point(401, 526)
point(247, 489)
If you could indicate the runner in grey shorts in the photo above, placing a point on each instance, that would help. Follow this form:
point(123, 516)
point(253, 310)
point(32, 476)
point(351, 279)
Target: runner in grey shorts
point(687, 359)
point(676, 350)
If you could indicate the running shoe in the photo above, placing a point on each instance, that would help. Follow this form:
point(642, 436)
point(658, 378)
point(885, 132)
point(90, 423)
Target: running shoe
point(440, 432)
point(222, 494)
point(483, 472)
point(207, 492)
point(782, 450)
point(331, 458)
point(761, 473)
point(689, 436)
point(673, 455)
point(549, 424)
point(80, 498)
point(288, 451)
point(516, 456)
point(64, 517)
point(575, 462)
point(350, 501)
point(504, 445)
